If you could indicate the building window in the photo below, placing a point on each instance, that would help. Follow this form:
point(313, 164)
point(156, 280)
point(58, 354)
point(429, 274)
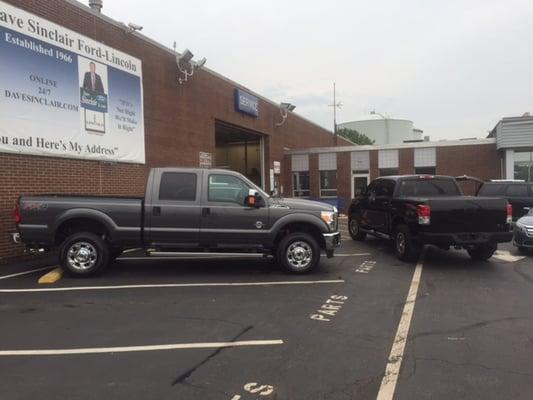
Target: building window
point(176, 186)
point(328, 183)
point(388, 162)
point(300, 184)
point(523, 165)
point(425, 170)
point(388, 171)
point(327, 164)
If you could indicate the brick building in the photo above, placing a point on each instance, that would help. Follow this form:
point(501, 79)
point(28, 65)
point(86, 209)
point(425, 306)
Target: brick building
point(181, 123)
point(335, 174)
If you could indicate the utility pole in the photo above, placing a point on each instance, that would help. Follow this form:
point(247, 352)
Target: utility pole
point(335, 105)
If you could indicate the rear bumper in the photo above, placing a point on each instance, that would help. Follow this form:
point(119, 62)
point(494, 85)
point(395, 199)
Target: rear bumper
point(332, 241)
point(465, 238)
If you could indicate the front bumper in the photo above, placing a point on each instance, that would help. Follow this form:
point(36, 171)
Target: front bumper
point(332, 241)
point(521, 239)
point(465, 238)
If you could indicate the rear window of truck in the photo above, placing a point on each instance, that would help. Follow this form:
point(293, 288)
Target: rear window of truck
point(428, 187)
point(491, 189)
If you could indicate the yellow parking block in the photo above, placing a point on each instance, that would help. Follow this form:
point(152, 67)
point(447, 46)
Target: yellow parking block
point(52, 276)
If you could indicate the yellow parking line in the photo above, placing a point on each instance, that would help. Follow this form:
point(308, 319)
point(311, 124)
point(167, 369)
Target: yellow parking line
point(51, 277)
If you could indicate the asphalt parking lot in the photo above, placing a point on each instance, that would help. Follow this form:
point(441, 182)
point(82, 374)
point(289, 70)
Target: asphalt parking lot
point(362, 326)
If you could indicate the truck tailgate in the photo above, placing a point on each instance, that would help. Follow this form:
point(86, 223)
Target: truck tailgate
point(467, 214)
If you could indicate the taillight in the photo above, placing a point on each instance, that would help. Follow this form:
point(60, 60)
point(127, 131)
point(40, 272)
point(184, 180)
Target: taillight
point(509, 213)
point(17, 214)
point(424, 214)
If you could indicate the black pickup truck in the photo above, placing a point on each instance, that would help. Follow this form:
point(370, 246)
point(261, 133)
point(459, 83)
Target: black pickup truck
point(416, 210)
point(184, 212)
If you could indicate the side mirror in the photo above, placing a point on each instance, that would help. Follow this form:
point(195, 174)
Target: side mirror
point(253, 201)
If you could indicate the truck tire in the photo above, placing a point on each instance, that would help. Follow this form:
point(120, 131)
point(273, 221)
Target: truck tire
point(405, 247)
point(84, 254)
point(298, 253)
point(355, 229)
point(482, 252)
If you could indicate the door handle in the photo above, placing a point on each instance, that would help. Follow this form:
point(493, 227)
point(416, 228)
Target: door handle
point(156, 211)
point(206, 211)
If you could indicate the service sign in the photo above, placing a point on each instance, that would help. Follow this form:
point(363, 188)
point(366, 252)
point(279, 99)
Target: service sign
point(65, 95)
point(246, 103)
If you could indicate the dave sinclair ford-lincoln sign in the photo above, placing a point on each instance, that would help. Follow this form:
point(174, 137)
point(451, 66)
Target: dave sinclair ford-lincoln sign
point(63, 94)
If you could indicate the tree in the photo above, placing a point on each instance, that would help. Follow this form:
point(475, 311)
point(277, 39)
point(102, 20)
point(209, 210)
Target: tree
point(353, 136)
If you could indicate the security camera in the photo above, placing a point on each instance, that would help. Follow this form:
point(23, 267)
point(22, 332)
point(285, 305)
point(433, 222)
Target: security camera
point(287, 106)
point(201, 63)
point(135, 27)
point(186, 56)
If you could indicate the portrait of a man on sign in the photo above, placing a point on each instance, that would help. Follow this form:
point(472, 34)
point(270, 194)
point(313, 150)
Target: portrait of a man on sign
point(93, 81)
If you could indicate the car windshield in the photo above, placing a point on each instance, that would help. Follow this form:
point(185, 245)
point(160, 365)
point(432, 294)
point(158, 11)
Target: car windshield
point(428, 187)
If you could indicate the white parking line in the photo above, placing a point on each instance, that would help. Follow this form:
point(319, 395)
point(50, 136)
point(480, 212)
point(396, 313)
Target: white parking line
point(26, 272)
point(171, 285)
point(128, 349)
point(392, 371)
point(351, 255)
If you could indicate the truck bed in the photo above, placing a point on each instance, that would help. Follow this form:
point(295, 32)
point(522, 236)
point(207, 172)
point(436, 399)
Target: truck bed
point(42, 215)
point(465, 213)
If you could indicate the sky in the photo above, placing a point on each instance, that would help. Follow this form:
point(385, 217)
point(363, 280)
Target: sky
point(454, 67)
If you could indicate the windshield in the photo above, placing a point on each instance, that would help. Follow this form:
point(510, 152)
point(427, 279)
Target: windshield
point(428, 187)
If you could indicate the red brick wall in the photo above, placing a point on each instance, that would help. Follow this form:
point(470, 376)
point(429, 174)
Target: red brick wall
point(481, 161)
point(179, 123)
point(344, 179)
point(406, 160)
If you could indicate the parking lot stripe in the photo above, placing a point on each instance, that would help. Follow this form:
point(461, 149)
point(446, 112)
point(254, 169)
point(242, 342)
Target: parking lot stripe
point(129, 349)
point(172, 285)
point(351, 255)
point(392, 371)
point(26, 272)
point(52, 276)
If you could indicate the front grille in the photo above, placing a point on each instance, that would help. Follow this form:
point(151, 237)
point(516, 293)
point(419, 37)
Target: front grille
point(529, 230)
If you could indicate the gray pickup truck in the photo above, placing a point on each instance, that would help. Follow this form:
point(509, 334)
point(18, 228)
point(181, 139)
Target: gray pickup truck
point(184, 212)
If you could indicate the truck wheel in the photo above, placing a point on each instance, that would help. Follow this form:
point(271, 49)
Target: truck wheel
point(298, 253)
point(405, 247)
point(482, 252)
point(354, 229)
point(84, 254)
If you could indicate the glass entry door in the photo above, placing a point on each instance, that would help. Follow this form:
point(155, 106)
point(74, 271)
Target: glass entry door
point(359, 183)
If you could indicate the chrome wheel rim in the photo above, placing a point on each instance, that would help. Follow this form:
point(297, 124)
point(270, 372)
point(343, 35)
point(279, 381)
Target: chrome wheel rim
point(82, 256)
point(354, 227)
point(400, 243)
point(299, 254)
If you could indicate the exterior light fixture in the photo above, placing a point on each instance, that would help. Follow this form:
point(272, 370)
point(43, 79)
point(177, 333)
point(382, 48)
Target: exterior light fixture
point(284, 109)
point(186, 65)
point(131, 27)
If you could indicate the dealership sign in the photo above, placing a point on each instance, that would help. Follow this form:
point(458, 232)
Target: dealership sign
point(246, 103)
point(65, 95)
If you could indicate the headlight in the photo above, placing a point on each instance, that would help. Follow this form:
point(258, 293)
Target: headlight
point(521, 227)
point(330, 218)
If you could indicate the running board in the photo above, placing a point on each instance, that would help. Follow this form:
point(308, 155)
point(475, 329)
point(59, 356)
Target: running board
point(181, 254)
point(377, 234)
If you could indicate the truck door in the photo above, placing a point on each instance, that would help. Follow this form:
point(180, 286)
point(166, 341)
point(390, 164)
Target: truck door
point(226, 222)
point(173, 209)
point(380, 205)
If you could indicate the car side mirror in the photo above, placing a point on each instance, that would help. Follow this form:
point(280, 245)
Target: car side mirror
point(253, 201)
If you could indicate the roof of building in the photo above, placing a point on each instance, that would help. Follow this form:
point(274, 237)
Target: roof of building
point(421, 144)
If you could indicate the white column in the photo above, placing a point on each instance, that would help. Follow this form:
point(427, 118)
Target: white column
point(509, 164)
